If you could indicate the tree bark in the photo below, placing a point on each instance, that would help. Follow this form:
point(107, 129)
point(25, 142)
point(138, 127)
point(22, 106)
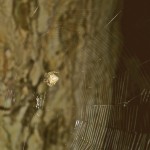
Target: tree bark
point(81, 40)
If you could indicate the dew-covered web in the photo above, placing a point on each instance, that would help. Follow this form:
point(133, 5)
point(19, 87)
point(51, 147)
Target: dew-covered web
point(110, 87)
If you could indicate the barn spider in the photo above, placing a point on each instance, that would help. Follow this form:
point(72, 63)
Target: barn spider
point(50, 78)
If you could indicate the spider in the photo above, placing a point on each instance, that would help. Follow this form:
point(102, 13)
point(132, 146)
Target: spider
point(51, 78)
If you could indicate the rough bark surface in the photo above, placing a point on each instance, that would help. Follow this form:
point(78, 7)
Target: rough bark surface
point(81, 40)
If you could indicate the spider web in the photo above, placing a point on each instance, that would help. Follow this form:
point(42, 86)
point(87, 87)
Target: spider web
point(113, 102)
point(111, 91)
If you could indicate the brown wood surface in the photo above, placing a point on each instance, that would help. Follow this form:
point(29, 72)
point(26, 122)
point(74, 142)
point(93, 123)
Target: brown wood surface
point(95, 104)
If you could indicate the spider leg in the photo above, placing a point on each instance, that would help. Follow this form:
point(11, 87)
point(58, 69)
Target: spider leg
point(55, 72)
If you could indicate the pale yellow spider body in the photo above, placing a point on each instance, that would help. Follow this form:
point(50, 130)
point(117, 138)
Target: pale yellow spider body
point(51, 78)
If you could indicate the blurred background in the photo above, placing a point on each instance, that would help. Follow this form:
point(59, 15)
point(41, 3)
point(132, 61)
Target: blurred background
point(101, 51)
